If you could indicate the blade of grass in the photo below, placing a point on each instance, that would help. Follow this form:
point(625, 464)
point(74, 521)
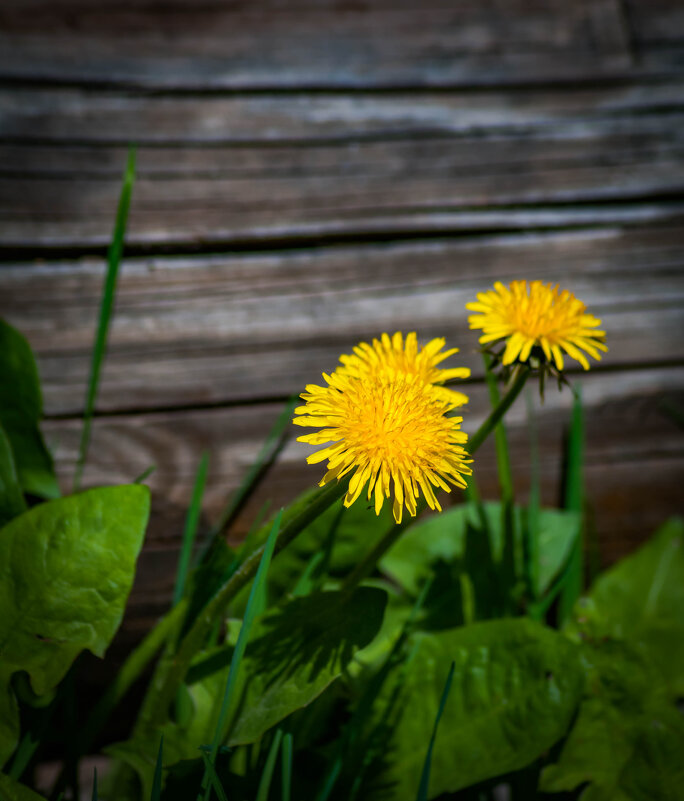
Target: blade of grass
point(190, 530)
point(214, 778)
point(170, 672)
point(250, 613)
point(354, 727)
point(94, 796)
point(145, 474)
point(106, 306)
point(574, 501)
point(155, 795)
point(425, 777)
point(132, 668)
point(319, 564)
point(267, 775)
point(306, 582)
point(286, 793)
point(266, 456)
point(31, 740)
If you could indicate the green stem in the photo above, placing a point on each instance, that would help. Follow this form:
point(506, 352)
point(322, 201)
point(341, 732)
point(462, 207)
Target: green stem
point(503, 406)
point(172, 669)
point(368, 563)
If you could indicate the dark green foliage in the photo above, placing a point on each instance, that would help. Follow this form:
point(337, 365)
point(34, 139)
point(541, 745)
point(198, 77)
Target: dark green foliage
point(470, 558)
point(21, 408)
point(66, 568)
point(11, 497)
point(515, 689)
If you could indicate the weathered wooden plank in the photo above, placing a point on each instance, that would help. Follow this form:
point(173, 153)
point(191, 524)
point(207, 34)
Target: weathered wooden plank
point(69, 116)
point(66, 196)
point(634, 464)
point(311, 43)
point(213, 329)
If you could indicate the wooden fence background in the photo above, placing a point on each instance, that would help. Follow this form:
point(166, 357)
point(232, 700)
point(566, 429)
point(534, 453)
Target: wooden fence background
point(313, 173)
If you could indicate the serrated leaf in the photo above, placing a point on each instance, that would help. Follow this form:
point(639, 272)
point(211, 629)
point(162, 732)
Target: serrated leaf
point(21, 407)
point(66, 569)
point(515, 688)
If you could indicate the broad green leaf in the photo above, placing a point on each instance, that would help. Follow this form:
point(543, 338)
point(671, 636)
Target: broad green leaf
point(298, 651)
point(21, 407)
point(515, 688)
point(627, 739)
point(11, 497)
point(461, 550)
point(294, 654)
point(11, 790)
point(66, 569)
point(640, 600)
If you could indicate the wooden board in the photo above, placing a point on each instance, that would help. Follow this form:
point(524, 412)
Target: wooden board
point(313, 174)
point(237, 173)
point(208, 330)
point(312, 44)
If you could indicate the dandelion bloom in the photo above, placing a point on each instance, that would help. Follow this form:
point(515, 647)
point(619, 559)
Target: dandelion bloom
point(537, 316)
point(406, 358)
point(383, 417)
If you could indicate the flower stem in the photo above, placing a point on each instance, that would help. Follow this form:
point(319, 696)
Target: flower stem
point(368, 563)
point(172, 669)
point(502, 407)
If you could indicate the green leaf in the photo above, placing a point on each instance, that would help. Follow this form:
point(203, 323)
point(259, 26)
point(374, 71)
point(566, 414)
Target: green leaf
point(11, 790)
point(66, 569)
point(351, 530)
point(299, 650)
point(515, 688)
point(294, 654)
point(627, 740)
point(11, 497)
point(467, 553)
point(640, 600)
point(21, 407)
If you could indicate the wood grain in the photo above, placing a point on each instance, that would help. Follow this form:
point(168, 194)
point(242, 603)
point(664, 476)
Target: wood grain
point(311, 44)
point(207, 330)
point(388, 168)
point(634, 464)
point(312, 174)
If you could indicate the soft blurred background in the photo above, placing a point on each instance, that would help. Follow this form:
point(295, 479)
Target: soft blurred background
point(314, 173)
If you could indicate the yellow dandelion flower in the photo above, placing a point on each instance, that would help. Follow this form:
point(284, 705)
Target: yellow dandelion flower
point(537, 316)
point(406, 358)
point(389, 427)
